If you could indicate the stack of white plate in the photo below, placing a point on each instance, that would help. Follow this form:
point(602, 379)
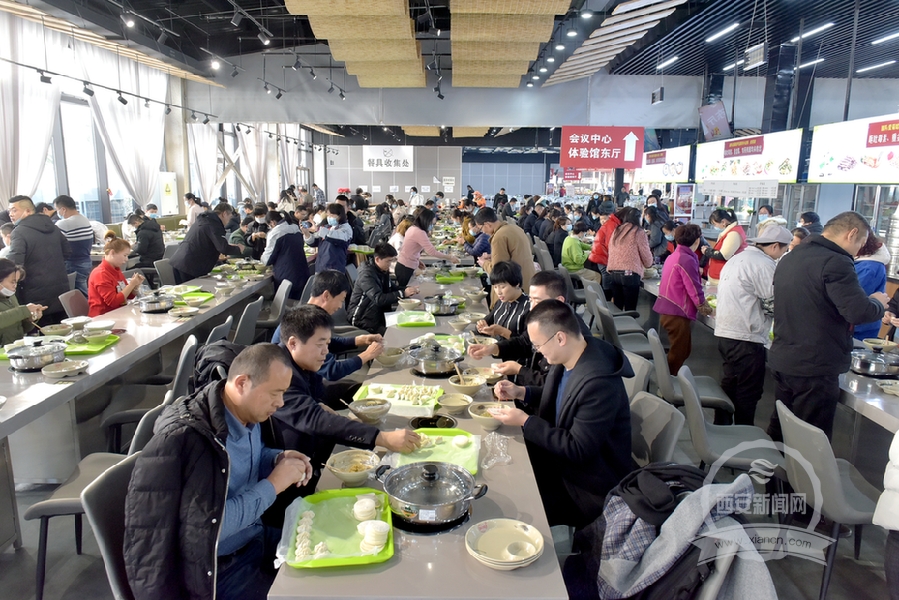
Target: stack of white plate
point(504, 544)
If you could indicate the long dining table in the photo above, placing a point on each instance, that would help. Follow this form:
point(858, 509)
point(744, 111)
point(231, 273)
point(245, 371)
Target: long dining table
point(38, 430)
point(438, 565)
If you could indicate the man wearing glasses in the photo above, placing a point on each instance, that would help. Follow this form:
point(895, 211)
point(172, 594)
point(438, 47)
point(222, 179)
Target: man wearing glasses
point(577, 425)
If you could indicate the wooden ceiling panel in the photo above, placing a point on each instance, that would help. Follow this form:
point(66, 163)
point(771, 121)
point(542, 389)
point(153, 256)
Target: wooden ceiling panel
point(487, 67)
point(510, 7)
point(348, 8)
point(375, 50)
point(486, 81)
point(468, 51)
point(362, 27)
point(501, 28)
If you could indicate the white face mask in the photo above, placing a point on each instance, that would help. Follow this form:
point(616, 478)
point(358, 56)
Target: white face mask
point(7, 292)
point(260, 220)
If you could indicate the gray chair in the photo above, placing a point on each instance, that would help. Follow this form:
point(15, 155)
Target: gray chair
point(276, 309)
point(103, 501)
point(655, 429)
point(67, 498)
point(623, 323)
point(642, 370)
point(131, 402)
point(220, 332)
point(545, 260)
point(709, 391)
point(307, 290)
point(246, 327)
point(170, 250)
point(74, 303)
point(845, 497)
point(717, 442)
point(165, 271)
point(615, 311)
point(352, 273)
point(72, 278)
point(631, 342)
point(575, 296)
point(131, 273)
point(144, 430)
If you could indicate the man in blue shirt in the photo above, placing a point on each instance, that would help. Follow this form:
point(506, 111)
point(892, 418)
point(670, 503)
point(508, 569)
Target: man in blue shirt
point(193, 512)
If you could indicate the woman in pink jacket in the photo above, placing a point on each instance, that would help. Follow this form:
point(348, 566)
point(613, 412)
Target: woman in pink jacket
point(415, 241)
point(629, 254)
point(680, 295)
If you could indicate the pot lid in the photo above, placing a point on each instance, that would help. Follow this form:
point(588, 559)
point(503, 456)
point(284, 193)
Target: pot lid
point(433, 351)
point(36, 350)
point(429, 484)
point(156, 297)
point(888, 359)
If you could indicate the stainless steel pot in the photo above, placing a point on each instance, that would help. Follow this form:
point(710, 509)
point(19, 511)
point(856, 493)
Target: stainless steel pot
point(434, 359)
point(156, 302)
point(441, 305)
point(36, 357)
point(875, 363)
point(429, 493)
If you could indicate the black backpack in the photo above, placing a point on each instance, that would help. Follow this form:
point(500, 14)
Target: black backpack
point(214, 360)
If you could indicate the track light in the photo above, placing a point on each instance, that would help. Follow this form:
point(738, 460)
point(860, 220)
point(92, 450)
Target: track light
point(439, 95)
point(206, 120)
point(163, 37)
point(87, 90)
point(312, 73)
point(168, 109)
point(237, 18)
point(265, 87)
point(269, 135)
point(44, 77)
point(128, 20)
point(122, 99)
point(215, 64)
point(146, 103)
point(237, 127)
point(278, 95)
point(296, 65)
point(264, 38)
point(342, 95)
point(234, 72)
point(331, 89)
point(193, 115)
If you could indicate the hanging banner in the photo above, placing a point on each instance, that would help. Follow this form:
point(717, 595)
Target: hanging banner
point(671, 165)
point(387, 158)
point(572, 174)
point(683, 200)
point(753, 158)
point(715, 125)
point(602, 147)
point(859, 151)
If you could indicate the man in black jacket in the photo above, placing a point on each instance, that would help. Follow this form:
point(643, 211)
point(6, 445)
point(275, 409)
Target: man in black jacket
point(817, 302)
point(39, 246)
point(204, 243)
point(149, 246)
point(193, 512)
point(374, 294)
point(500, 198)
point(578, 432)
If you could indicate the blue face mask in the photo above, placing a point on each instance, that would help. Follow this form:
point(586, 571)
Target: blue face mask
point(332, 221)
point(569, 227)
point(762, 218)
point(575, 217)
point(153, 215)
point(670, 238)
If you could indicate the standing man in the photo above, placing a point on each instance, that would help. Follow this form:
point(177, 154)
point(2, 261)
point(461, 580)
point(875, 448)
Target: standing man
point(194, 208)
point(819, 300)
point(744, 316)
point(203, 245)
point(507, 242)
point(80, 234)
point(305, 198)
point(319, 194)
point(45, 208)
point(578, 426)
point(41, 248)
point(622, 197)
point(500, 198)
point(193, 525)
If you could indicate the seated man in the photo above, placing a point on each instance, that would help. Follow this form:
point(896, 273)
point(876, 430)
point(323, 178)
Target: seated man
point(200, 486)
point(374, 294)
point(304, 423)
point(520, 361)
point(150, 245)
point(578, 434)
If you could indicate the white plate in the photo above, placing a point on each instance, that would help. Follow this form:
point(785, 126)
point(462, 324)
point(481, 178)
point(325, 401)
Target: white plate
point(491, 541)
point(890, 387)
point(76, 321)
point(100, 325)
point(184, 311)
point(66, 368)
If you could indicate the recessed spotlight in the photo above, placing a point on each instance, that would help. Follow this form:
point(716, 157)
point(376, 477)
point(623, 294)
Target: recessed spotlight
point(128, 20)
point(215, 64)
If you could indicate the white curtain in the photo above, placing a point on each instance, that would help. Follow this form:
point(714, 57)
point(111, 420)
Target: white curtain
point(289, 153)
point(133, 133)
point(28, 108)
point(204, 143)
point(254, 159)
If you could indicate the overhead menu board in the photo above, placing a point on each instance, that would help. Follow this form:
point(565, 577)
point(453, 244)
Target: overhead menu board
point(770, 156)
point(860, 151)
point(671, 165)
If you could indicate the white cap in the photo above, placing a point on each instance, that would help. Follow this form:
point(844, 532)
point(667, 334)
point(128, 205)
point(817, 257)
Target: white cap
point(771, 234)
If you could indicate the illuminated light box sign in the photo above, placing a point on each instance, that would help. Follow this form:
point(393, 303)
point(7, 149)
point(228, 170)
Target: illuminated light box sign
point(671, 165)
point(860, 151)
point(759, 157)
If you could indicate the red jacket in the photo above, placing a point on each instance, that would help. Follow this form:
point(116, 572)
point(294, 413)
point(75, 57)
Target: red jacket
point(104, 289)
point(599, 253)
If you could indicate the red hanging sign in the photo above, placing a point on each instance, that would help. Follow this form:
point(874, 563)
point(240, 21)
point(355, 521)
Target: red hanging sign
point(602, 147)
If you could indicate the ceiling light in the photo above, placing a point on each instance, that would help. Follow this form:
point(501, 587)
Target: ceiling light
point(296, 65)
point(724, 31)
point(871, 68)
point(264, 38)
point(265, 87)
point(237, 18)
point(331, 89)
point(234, 71)
point(812, 32)
point(810, 63)
point(550, 59)
point(668, 62)
point(530, 84)
point(572, 31)
point(163, 37)
point(168, 109)
point(128, 20)
point(122, 99)
point(543, 69)
point(279, 94)
point(342, 95)
point(586, 14)
point(44, 77)
point(440, 96)
point(193, 115)
point(754, 65)
point(560, 46)
point(312, 73)
point(87, 90)
point(732, 65)
point(146, 103)
point(885, 38)
point(535, 77)
point(386, 128)
point(206, 120)
point(215, 64)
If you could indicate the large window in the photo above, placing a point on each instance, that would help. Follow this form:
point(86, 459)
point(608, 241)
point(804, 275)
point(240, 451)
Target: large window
point(47, 189)
point(121, 203)
point(82, 176)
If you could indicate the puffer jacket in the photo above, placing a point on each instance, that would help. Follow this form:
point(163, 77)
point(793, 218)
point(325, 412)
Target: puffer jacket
point(39, 246)
point(288, 259)
point(373, 295)
point(150, 246)
point(872, 276)
point(176, 500)
point(599, 254)
point(886, 514)
point(202, 245)
point(14, 320)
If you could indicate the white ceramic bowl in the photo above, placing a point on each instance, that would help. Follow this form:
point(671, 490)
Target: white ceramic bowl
point(353, 466)
point(479, 413)
point(96, 336)
point(77, 323)
point(454, 404)
point(409, 303)
point(99, 325)
point(390, 357)
point(470, 386)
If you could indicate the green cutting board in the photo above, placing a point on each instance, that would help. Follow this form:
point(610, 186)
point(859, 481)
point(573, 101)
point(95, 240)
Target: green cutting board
point(335, 525)
point(205, 295)
point(466, 457)
point(81, 349)
point(405, 319)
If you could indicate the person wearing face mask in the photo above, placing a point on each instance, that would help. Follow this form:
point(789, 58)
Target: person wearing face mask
point(654, 221)
point(654, 200)
point(510, 209)
point(15, 320)
point(731, 240)
point(107, 287)
point(152, 211)
point(481, 243)
point(373, 294)
point(257, 230)
point(415, 242)
point(574, 253)
point(239, 237)
point(594, 202)
point(599, 252)
point(556, 239)
point(332, 240)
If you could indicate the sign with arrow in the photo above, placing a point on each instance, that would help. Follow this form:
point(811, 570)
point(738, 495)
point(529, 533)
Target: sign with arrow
point(602, 147)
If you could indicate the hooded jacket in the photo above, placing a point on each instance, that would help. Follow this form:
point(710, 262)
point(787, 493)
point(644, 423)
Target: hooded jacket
point(872, 276)
point(817, 301)
point(588, 444)
point(288, 258)
point(373, 295)
point(38, 245)
point(202, 245)
point(150, 246)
